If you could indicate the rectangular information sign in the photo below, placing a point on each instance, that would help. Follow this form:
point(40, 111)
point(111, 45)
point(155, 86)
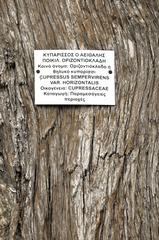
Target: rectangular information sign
point(74, 77)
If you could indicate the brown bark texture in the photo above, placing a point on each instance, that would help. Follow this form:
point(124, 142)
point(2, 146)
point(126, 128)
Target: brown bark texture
point(80, 172)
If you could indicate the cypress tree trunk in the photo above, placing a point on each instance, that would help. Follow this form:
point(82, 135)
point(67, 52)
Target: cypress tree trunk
point(80, 173)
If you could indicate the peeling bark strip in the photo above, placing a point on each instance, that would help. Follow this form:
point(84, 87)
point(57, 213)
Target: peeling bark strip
point(80, 173)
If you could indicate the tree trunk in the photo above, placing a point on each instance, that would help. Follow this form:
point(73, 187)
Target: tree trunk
point(80, 173)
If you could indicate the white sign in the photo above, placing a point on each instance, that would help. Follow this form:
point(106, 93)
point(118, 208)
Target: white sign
point(74, 77)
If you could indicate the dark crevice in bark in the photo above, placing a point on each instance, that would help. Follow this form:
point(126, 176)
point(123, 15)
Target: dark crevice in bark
point(91, 148)
point(50, 130)
point(99, 228)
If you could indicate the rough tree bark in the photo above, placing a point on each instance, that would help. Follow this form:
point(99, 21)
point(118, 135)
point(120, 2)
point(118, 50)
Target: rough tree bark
point(80, 173)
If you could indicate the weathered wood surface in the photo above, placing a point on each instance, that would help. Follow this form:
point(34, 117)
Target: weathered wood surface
point(80, 173)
